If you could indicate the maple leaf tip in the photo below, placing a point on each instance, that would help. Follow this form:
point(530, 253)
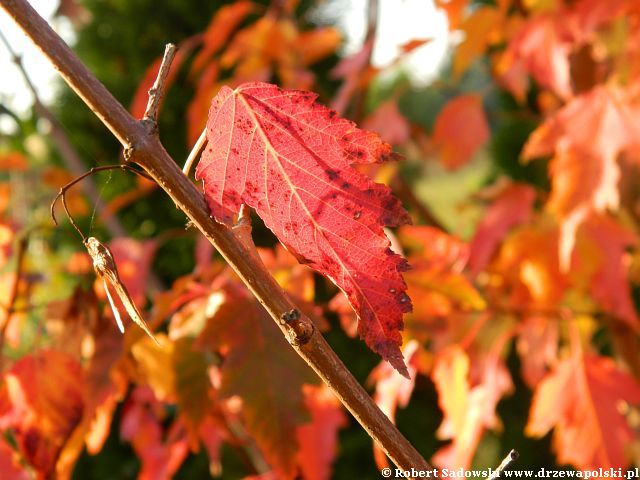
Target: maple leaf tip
point(401, 367)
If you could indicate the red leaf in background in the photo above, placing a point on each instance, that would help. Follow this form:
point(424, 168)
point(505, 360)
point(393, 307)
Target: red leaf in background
point(581, 399)
point(9, 466)
point(316, 44)
point(134, 260)
point(436, 279)
point(481, 29)
point(212, 439)
point(542, 47)
point(42, 401)
point(511, 207)
point(220, 28)
point(533, 274)
point(394, 390)
point(454, 10)
point(389, 123)
point(104, 386)
point(141, 425)
point(603, 122)
point(587, 136)
point(290, 159)
point(610, 283)
point(450, 375)
point(537, 346)
point(319, 439)
point(460, 130)
point(259, 367)
point(355, 72)
point(468, 396)
point(13, 161)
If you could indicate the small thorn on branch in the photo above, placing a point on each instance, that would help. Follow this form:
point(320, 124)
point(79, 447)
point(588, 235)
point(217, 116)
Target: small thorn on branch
point(157, 91)
point(506, 463)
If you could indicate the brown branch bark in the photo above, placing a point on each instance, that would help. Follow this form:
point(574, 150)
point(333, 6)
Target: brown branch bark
point(157, 90)
point(144, 148)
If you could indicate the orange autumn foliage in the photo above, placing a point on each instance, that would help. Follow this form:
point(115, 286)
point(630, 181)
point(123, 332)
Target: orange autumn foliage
point(542, 285)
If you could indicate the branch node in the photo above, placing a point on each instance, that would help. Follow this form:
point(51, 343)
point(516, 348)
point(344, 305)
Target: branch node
point(300, 328)
point(157, 91)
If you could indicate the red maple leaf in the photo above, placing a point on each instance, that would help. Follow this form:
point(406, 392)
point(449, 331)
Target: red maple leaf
point(581, 400)
point(161, 453)
point(587, 136)
point(319, 439)
point(290, 159)
point(542, 47)
point(461, 129)
point(42, 402)
point(511, 207)
point(9, 466)
point(253, 348)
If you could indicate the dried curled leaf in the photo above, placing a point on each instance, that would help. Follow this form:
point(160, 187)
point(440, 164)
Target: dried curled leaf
point(105, 267)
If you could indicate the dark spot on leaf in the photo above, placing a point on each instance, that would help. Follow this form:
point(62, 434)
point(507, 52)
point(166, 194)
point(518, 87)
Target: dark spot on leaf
point(230, 197)
point(354, 153)
point(389, 202)
point(250, 187)
point(332, 174)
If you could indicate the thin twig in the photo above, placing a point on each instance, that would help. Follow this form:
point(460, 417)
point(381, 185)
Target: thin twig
point(63, 190)
point(195, 151)
point(506, 463)
point(157, 90)
point(146, 150)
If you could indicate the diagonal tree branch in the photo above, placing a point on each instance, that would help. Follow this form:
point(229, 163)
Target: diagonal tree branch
point(145, 149)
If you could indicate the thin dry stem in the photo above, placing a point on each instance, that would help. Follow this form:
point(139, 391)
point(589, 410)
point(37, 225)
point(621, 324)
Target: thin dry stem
point(195, 151)
point(63, 190)
point(158, 89)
